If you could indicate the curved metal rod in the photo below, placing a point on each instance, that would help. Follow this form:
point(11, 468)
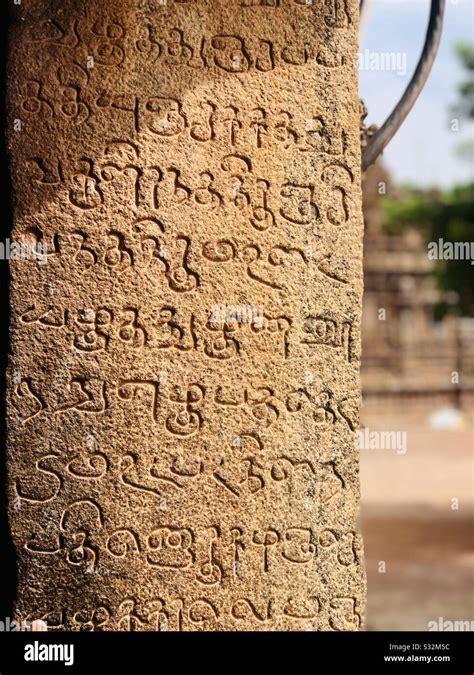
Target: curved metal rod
point(384, 135)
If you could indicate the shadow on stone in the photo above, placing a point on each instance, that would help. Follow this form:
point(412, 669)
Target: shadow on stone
point(7, 552)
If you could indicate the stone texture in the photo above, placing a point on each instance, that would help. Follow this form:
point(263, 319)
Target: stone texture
point(184, 376)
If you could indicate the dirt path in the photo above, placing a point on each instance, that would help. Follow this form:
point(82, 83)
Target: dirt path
point(410, 524)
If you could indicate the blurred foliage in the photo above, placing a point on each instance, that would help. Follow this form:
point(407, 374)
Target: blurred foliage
point(447, 215)
point(439, 215)
point(465, 151)
point(464, 107)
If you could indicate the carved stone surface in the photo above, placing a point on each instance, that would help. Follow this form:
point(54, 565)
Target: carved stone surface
point(184, 376)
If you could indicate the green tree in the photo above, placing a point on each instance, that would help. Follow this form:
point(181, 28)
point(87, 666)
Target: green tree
point(465, 104)
point(446, 215)
point(464, 107)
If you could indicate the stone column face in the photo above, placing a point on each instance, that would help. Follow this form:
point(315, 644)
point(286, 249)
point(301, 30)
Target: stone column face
point(184, 372)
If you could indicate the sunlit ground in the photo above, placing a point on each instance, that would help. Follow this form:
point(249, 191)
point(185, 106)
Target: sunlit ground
point(411, 523)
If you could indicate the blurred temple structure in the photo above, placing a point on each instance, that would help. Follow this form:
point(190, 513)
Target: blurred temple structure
point(411, 364)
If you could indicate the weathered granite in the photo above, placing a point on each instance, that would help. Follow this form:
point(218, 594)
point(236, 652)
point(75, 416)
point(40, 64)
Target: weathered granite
point(184, 375)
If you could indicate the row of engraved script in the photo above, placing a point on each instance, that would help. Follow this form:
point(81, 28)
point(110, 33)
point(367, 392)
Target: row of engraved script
point(217, 336)
point(106, 44)
point(187, 614)
point(242, 470)
point(179, 409)
point(168, 117)
point(181, 261)
point(121, 178)
point(209, 553)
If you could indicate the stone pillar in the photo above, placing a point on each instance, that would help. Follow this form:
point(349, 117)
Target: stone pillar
point(184, 374)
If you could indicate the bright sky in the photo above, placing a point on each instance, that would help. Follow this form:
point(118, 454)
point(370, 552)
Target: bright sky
point(423, 151)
